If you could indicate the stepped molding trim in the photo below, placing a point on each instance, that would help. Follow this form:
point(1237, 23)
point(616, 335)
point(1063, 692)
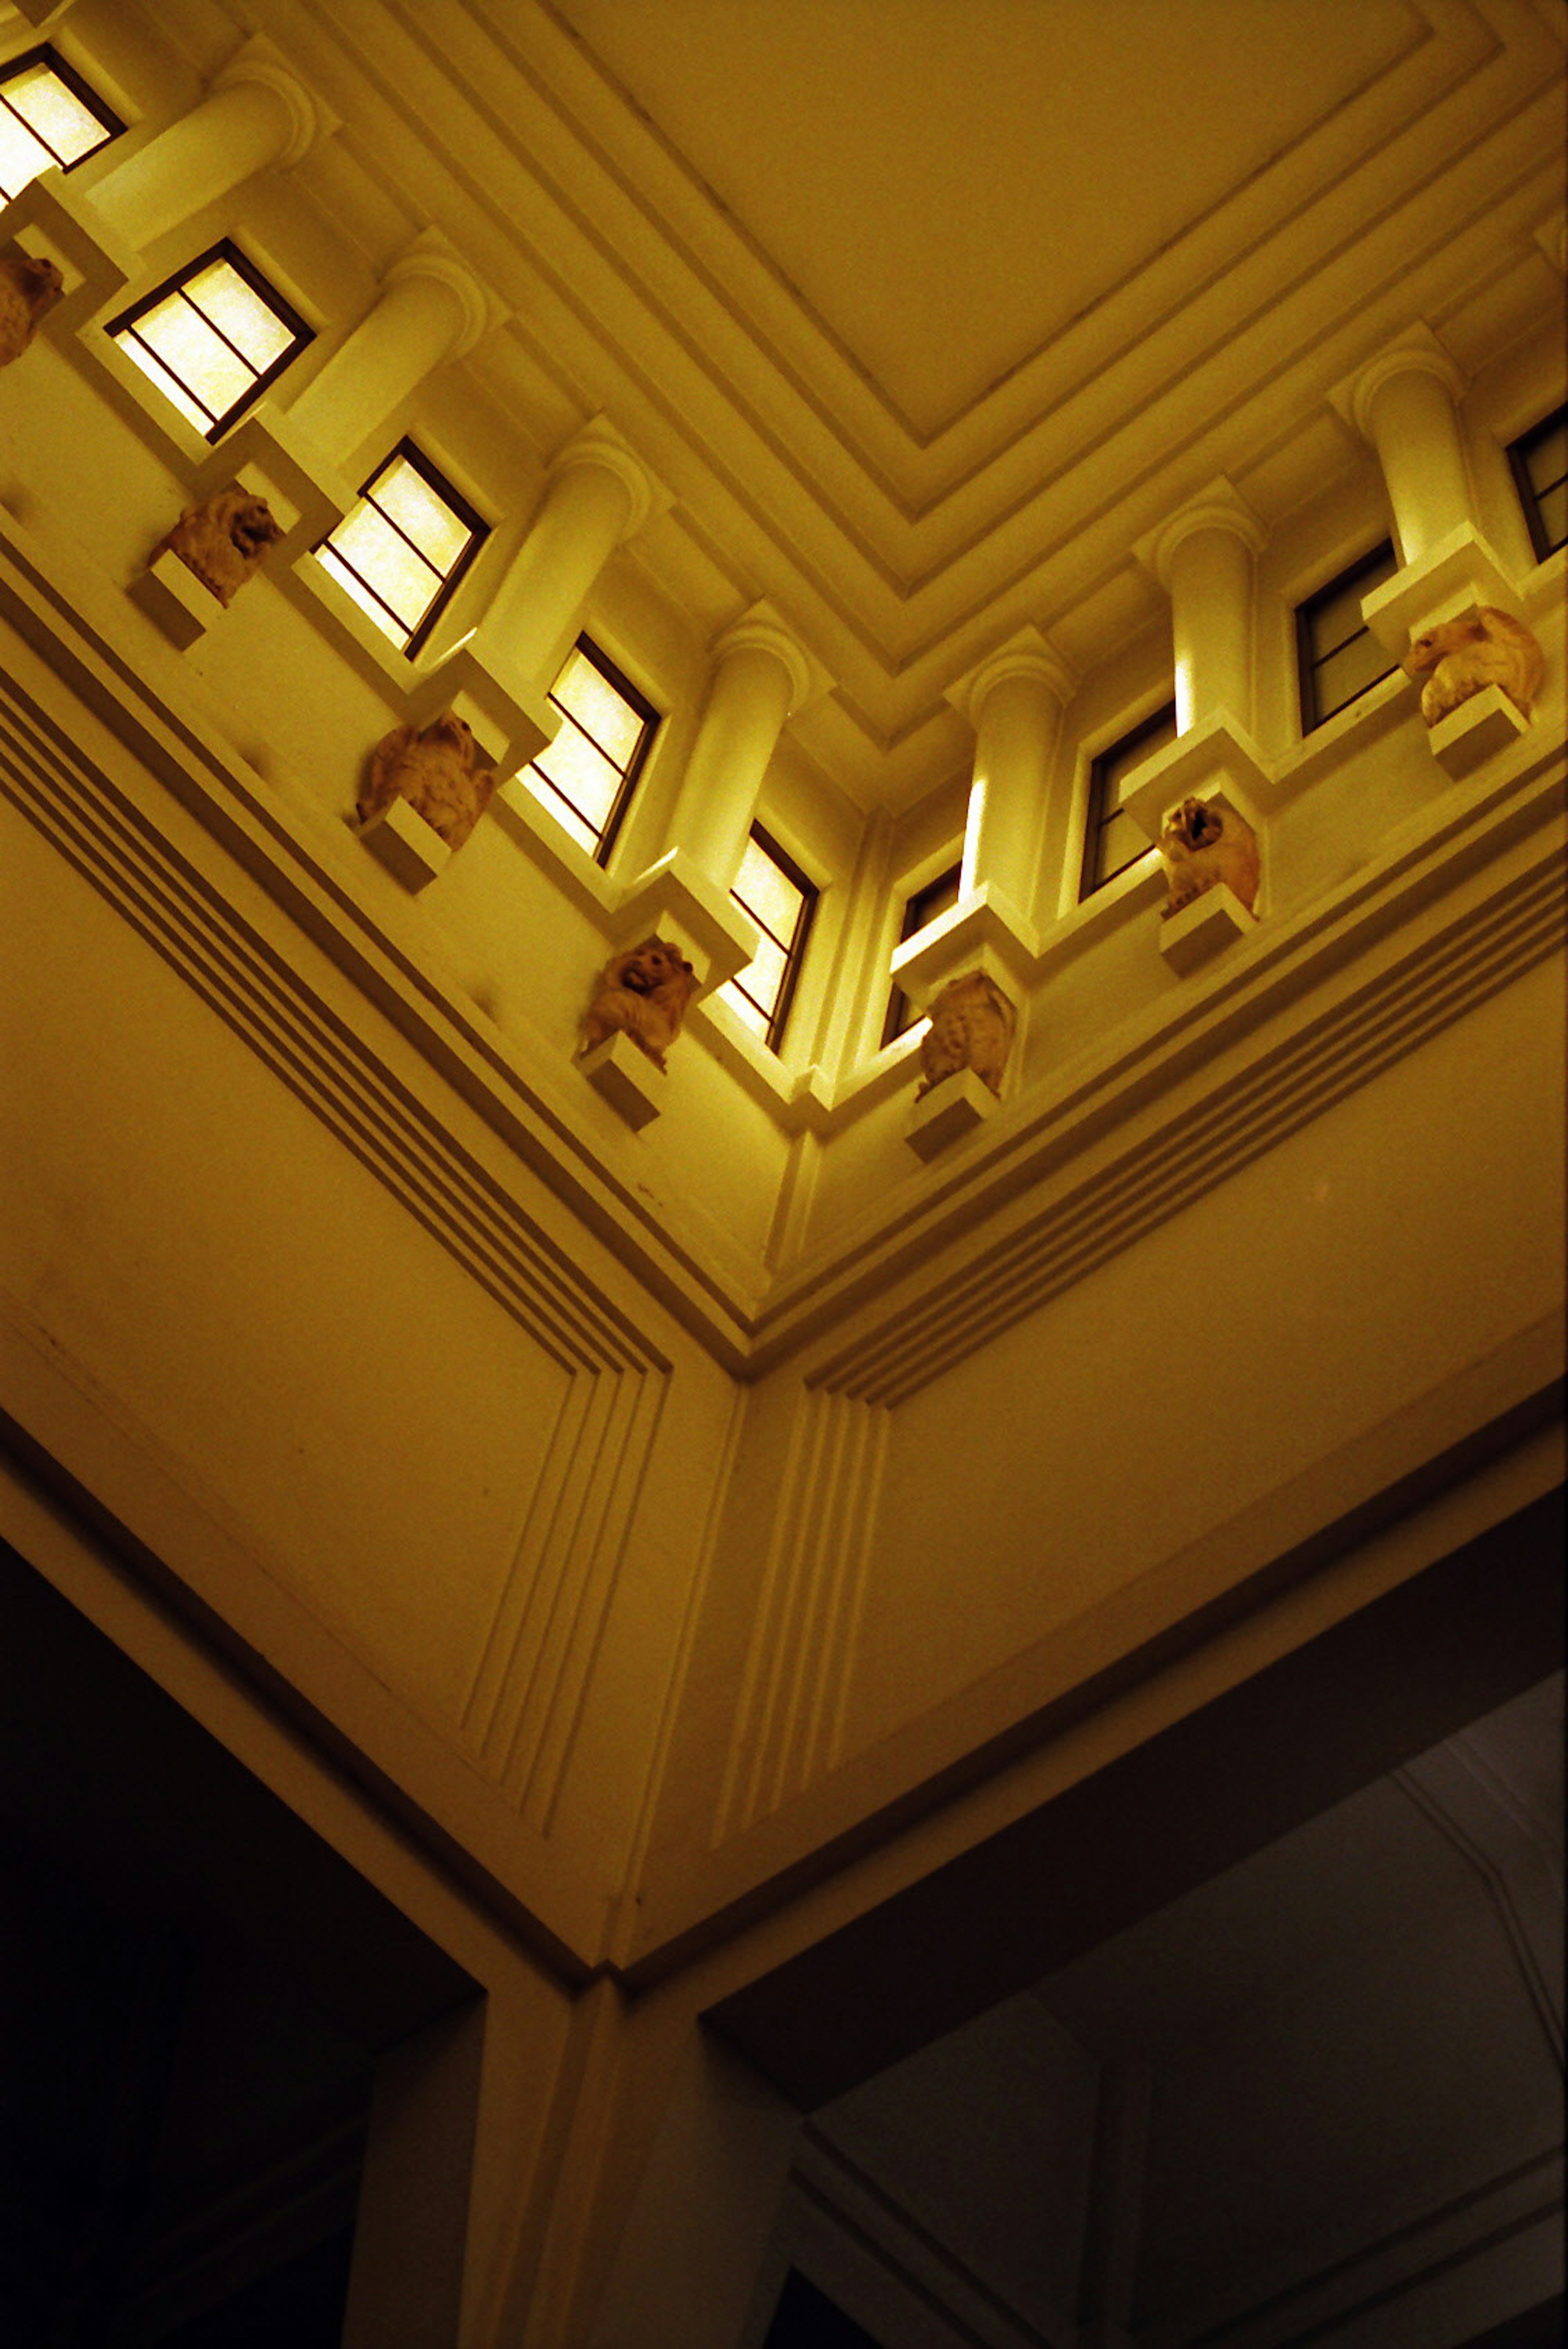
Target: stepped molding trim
point(789, 1724)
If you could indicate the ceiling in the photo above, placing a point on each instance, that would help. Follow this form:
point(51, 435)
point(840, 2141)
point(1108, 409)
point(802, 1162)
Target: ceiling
point(925, 313)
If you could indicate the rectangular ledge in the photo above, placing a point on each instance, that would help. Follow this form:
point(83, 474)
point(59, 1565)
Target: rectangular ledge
point(982, 933)
point(952, 1109)
point(1109, 908)
point(675, 899)
point(1203, 929)
point(623, 1075)
point(1389, 703)
point(1479, 727)
point(1460, 572)
point(273, 459)
point(528, 822)
point(1216, 759)
point(170, 593)
point(513, 723)
point(401, 838)
point(51, 219)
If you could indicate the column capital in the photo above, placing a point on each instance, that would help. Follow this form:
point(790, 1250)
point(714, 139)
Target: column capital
point(431, 257)
point(1416, 351)
point(760, 629)
point(1221, 506)
point(260, 62)
point(598, 443)
point(1551, 236)
point(1030, 654)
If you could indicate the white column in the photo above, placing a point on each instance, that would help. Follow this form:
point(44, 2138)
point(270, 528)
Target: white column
point(430, 309)
point(1015, 702)
point(1404, 403)
point(1203, 559)
point(599, 494)
point(761, 675)
point(257, 114)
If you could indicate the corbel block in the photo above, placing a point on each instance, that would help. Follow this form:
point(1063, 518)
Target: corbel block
point(623, 1075)
point(411, 850)
point(1487, 722)
point(951, 1110)
point(1203, 929)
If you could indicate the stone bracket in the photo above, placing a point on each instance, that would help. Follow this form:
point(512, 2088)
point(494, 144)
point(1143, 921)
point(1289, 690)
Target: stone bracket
point(1460, 572)
point(674, 899)
point(623, 1075)
point(1487, 722)
point(49, 218)
point(984, 932)
point(1203, 929)
point(952, 1108)
point(411, 850)
point(513, 723)
point(170, 593)
point(1216, 759)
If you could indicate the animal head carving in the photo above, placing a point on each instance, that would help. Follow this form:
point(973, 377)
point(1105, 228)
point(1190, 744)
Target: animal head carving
point(1459, 658)
point(1193, 825)
point(30, 284)
point(455, 732)
point(653, 968)
point(249, 523)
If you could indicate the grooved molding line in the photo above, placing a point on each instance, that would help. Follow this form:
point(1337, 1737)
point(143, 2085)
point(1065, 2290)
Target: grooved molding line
point(1470, 959)
point(91, 823)
point(523, 1705)
point(789, 1725)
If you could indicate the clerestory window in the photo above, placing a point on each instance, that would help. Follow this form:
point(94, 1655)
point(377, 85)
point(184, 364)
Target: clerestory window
point(48, 115)
point(402, 549)
point(1539, 462)
point(775, 894)
point(1112, 840)
point(938, 896)
point(587, 776)
point(213, 338)
point(1337, 657)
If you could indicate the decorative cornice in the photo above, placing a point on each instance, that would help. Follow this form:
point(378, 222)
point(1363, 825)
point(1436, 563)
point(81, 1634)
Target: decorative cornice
point(259, 62)
point(1416, 351)
point(1029, 654)
point(598, 443)
point(760, 629)
point(1220, 507)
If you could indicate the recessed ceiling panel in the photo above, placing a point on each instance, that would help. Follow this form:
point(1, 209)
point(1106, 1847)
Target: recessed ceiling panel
point(948, 185)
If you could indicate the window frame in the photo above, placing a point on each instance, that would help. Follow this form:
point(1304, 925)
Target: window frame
point(1518, 454)
point(467, 514)
point(794, 951)
point(302, 334)
point(1096, 818)
point(46, 54)
point(912, 921)
point(630, 774)
point(1309, 661)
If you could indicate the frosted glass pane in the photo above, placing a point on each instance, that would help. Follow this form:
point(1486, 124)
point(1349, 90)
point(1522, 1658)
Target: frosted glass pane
point(583, 833)
point(755, 1020)
point(21, 156)
point(594, 702)
point(363, 598)
point(170, 386)
point(408, 497)
point(767, 894)
point(387, 563)
point(182, 339)
point(763, 976)
point(64, 125)
point(239, 314)
point(583, 774)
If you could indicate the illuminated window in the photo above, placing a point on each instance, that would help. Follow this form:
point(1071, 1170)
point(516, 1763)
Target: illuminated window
point(212, 338)
point(586, 775)
point(1539, 462)
point(404, 547)
point(938, 896)
point(48, 116)
point(1112, 840)
point(1337, 657)
point(776, 896)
